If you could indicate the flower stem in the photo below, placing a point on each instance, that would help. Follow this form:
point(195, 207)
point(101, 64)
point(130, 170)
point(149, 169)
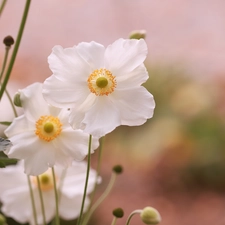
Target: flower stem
point(1, 74)
point(114, 221)
point(86, 181)
point(138, 211)
point(11, 103)
point(98, 169)
point(16, 47)
point(32, 201)
point(101, 198)
point(42, 201)
point(2, 6)
point(57, 221)
point(4, 61)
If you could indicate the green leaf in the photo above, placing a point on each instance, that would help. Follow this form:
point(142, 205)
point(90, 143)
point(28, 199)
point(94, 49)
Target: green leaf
point(6, 161)
point(6, 123)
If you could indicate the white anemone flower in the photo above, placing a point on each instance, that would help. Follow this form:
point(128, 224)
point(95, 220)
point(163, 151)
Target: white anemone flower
point(14, 192)
point(101, 86)
point(42, 136)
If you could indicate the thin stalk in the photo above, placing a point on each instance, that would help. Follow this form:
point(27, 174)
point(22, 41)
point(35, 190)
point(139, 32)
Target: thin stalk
point(86, 181)
point(138, 211)
point(16, 47)
point(4, 61)
point(100, 150)
point(11, 103)
point(101, 198)
point(32, 201)
point(114, 221)
point(42, 201)
point(57, 221)
point(2, 6)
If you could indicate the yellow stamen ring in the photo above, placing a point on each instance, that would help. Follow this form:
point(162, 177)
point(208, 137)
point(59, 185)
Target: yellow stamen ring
point(101, 82)
point(48, 128)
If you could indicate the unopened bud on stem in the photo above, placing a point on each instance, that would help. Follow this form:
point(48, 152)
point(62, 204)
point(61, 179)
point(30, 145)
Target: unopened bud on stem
point(137, 34)
point(8, 41)
point(118, 212)
point(150, 215)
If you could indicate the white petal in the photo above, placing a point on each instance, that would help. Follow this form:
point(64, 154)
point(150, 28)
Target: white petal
point(123, 56)
point(33, 102)
point(100, 119)
point(10, 176)
point(19, 125)
point(75, 143)
point(92, 53)
point(64, 94)
point(41, 159)
point(66, 64)
point(25, 148)
point(12, 200)
point(136, 105)
point(73, 184)
point(69, 208)
point(132, 79)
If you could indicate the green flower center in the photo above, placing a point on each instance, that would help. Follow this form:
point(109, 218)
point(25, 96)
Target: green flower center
point(48, 127)
point(101, 82)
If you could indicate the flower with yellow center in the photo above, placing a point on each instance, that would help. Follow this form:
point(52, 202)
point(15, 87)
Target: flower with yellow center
point(42, 136)
point(101, 86)
point(14, 192)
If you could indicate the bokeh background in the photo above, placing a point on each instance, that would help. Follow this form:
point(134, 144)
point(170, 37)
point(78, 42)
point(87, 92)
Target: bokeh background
point(176, 161)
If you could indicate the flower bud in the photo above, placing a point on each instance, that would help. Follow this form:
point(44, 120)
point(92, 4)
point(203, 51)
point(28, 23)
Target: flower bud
point(118, 212)
point(118, 169)
point(2, 220)
point(137, 34)
point(8, 41)
point(150, 215)
point(16, 100)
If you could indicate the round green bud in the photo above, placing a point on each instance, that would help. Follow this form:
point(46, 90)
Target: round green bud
point(137, 34)
point(16, 100)
point(8, 41)
point(2, 220)
point(150, 215)
point(118, 212)
point(118, 169)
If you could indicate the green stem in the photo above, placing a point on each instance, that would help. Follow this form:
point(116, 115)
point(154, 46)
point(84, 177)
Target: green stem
point(11, 103)
point(114, 221)
point(138, 211)
point(2, 6)
point(16, 47)
point(4, 61)
point(32, 201)
point(57, 221)
point(86, 181)
point(41, 200)
point(101, 198)
point(98, 169)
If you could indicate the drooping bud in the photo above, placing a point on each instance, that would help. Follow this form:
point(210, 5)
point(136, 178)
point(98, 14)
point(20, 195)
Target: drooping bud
point(16, 100)
point(8, 41)
point(118, 169)
point(137, 34)
point(2, 220)
point(150, 215)
point(118, 212)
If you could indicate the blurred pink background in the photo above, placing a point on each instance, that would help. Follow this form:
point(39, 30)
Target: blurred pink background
point(186, 33)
